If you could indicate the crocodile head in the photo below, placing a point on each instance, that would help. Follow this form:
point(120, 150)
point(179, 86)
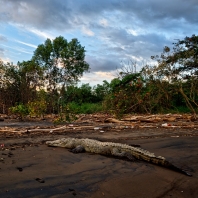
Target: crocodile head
point(64, 142)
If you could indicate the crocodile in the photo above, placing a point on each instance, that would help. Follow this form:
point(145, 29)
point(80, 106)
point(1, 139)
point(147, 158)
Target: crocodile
point(113, 149)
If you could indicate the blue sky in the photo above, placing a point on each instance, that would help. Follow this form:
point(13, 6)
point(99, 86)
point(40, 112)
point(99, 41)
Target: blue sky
point(112, 31)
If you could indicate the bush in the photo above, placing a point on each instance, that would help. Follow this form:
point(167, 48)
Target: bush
point(85, 108)
point(37, 108)
point(20, 110)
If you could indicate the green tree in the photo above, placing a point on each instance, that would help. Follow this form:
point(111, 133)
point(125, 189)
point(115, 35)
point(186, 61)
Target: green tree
point(30, 80)
point(101, 91)
point(180, 67)
point(21, 80)
point(126, 95)
point(82, 94)
point(19, 83)
point(62, 61)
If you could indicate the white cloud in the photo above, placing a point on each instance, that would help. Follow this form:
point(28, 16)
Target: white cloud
point(105, 75)
point(95, 78)
point(87, 31)
point(5, 59)
point(27, 44)
point(133, 32)
point(135, 58)
point(42, 34)
point(104, 22)
point(19, 49)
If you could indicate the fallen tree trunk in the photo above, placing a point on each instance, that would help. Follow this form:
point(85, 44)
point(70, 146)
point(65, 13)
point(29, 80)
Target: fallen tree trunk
point(47, 130)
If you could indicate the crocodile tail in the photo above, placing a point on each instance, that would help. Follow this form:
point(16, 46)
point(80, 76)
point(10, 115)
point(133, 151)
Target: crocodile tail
point(175, 168)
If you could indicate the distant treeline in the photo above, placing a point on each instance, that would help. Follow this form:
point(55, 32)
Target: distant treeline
point(47, 83)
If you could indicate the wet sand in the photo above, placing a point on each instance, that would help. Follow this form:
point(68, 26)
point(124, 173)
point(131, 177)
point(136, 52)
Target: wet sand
point(29, 168)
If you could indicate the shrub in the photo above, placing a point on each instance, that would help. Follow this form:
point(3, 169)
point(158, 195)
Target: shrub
point(20, 110)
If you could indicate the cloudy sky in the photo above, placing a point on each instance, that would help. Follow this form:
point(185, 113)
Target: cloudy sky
point(112, 31)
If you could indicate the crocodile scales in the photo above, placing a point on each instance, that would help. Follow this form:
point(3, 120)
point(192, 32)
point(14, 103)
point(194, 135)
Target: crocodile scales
point(113, 149)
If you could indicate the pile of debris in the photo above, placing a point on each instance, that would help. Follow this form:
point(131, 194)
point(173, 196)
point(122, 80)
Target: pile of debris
point(103, 122)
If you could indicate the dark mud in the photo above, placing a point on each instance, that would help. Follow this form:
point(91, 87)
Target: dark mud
point(28, 168)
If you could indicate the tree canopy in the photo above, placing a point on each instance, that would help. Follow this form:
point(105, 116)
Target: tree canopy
point(182, 61)
point(54, 64)
point(62, 61)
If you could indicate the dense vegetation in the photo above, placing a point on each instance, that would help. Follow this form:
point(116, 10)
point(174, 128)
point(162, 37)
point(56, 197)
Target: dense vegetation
point(47, 83)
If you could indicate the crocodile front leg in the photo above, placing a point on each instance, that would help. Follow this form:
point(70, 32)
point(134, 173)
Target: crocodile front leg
point(118, 153)
point(78, 149)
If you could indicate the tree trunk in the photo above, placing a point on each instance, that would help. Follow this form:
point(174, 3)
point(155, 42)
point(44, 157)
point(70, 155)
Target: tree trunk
point(188, 102)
